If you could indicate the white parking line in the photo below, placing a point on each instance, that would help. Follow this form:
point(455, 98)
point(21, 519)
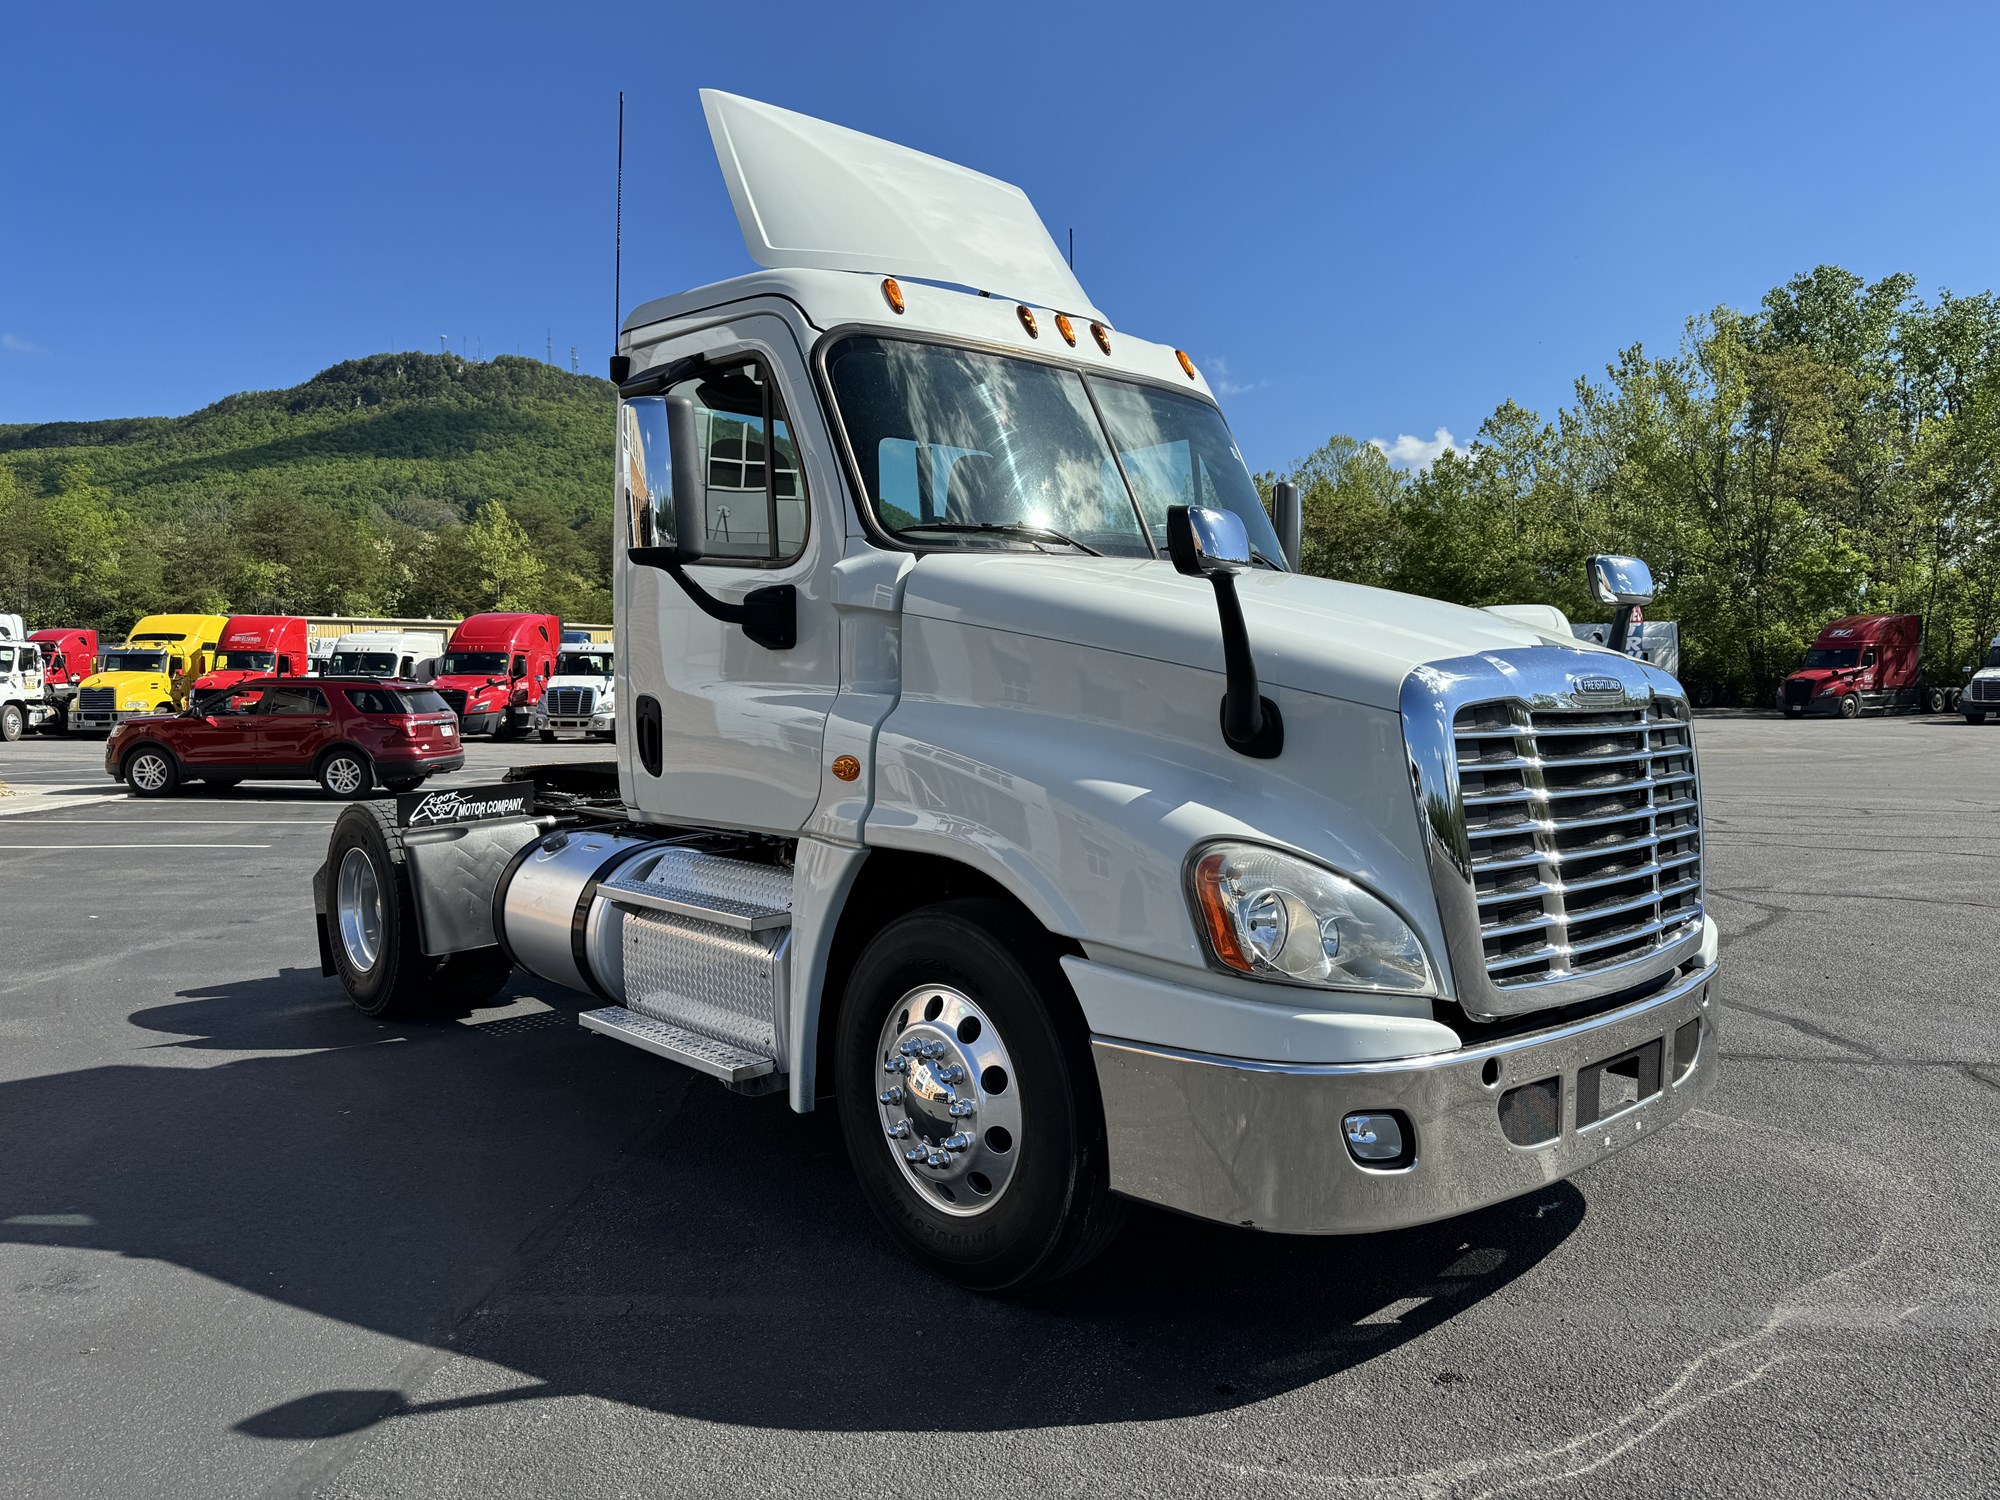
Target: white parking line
point(4, 848)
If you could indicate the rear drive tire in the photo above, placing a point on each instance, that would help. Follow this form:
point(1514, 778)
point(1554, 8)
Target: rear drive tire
point(344, 773)
point(151, 771)
point(13, 722)
point(1934, 701)
point(372, 929)
point(1013, 1187)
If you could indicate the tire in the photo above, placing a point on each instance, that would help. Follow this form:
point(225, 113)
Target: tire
point(402, 784)
point(1975, 716)
point(151, 771)
point(58, 722)
point(343, 773)
point(372, 929)
point(13, 722)
point(1934, 701)
point(1044, 1168)
point(1850, 707)
point(548, 736)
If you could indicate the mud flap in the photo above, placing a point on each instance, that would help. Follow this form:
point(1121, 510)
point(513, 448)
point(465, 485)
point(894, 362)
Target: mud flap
point(319, 921)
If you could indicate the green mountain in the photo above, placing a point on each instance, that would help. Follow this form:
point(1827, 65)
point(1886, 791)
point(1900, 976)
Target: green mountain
point(400, 483)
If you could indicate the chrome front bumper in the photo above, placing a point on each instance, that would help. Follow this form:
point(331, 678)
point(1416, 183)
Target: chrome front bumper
point(1261, 1144)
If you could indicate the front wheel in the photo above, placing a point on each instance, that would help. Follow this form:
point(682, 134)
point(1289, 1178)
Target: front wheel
point(345, 774)
point(1850, 707)
point(13, 723)
point(152, 772)
point(968, 1099)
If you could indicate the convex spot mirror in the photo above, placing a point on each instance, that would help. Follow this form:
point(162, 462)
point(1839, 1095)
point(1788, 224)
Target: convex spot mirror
point(1620, 580)
point(1204, 542)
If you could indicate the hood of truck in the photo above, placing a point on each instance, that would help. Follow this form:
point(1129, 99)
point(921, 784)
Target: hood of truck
point(1819, 677)
point(475, 688)
point(155, 684)
point(1314, 635)
point(599, 684)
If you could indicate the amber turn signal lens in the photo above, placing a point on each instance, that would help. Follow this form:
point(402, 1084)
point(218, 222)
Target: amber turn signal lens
point(893, 292)
point(1186, 363)
point(1028, 321)
point(846, 767)
point(1103, 336)
point(1215, 912)
point(1066, 329)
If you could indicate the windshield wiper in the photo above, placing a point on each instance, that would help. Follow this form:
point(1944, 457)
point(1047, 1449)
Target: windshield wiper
point(1006, 528)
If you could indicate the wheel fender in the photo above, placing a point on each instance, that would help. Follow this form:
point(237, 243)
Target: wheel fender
point(125, 759)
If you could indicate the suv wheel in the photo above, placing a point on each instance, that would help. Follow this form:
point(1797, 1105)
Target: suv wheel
point(152, 772)
point(371, 928)
point(968, 1100)
point(344, 773)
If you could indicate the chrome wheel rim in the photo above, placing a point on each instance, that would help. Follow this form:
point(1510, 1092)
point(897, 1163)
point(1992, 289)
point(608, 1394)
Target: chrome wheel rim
point(950, 1105)
point(148, 772)
point(358, 904)
point(343, 776)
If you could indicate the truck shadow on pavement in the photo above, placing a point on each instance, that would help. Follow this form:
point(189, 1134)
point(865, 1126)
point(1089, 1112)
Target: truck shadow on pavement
point(546, 1201)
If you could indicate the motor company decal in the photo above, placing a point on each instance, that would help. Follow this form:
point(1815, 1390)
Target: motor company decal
point(470, 804)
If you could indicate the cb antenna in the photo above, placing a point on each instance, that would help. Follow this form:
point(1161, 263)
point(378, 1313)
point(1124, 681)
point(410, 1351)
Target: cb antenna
point(618, 252)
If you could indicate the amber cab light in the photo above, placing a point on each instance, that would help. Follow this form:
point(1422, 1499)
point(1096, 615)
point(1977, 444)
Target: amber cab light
point(1103, 336)
point(1215, 911)
point(893, 292)
point(1186, 363)
point(1066, 329)
point(1028, 321)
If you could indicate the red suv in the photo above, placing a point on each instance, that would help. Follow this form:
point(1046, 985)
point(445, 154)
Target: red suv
point(345, 733)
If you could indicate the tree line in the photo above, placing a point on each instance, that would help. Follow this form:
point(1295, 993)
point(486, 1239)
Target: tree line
point(1835, 451)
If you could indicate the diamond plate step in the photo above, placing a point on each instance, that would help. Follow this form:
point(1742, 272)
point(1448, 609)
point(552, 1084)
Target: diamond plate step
point(733, 1065)
point(734, 893)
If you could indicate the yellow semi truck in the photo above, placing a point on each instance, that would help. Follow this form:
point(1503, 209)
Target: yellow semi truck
point(137, 678)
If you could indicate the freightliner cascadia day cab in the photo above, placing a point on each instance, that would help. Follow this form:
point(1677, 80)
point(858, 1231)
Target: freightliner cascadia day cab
point(68, 656)
point(582, 696)
point(1863, 664)
point(1981, 695)
point(412, 655)
point(495, 669)
point(136, 679)
point(256, 646)
point(25, 701)
point(1054, 830)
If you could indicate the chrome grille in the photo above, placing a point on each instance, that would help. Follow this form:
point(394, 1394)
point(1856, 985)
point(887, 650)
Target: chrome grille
point(571, 702)
point(1985, 690)
point(97, 700)
point(1583, 835)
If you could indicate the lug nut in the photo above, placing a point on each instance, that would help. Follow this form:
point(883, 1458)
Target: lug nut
point(934, 1049)
point(900, 1131)
point(951, 1073)
point(938, 1159)
point(896, 1065)
point(911, 1047)
point(961, 1108)
point(891, 1095)
point(959, 1142)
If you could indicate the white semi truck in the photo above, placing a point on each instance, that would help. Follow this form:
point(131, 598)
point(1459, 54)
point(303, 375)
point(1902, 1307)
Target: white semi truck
point(1007, 789)
point(582, 696)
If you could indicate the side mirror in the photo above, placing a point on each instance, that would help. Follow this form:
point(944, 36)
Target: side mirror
point(1620, 580)
point(1206, 543)
point(1289, 522)
point(1212, 544)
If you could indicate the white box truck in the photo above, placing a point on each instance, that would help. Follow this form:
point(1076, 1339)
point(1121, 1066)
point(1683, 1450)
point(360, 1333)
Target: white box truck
point(1003, 787)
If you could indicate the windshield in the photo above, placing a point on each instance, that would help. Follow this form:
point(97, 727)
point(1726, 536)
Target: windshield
point(583, 664)
point(132, 661)
point(1992, 658)
point(962, 448)
point(474, 664)
point(1820, 656)
point(246, 661)
point(361, 664)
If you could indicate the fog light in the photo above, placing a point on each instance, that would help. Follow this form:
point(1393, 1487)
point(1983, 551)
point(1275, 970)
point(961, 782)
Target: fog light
point(1374, 1139)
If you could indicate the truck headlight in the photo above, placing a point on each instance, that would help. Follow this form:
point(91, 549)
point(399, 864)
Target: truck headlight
point(1275, 916)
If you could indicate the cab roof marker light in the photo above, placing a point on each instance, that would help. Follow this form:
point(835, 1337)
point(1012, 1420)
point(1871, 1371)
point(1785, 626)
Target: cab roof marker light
point(894, 293)
point(1066, 328)
point(1103, 336)
point(1027, 317)
point(1186, 363)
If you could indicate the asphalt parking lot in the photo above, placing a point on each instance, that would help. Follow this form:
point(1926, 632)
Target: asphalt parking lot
point(254, 1244)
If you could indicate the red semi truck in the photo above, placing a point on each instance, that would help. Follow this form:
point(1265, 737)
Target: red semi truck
point(1863, 664)
point(256, 646)
point(495, 670)
point(68, 656)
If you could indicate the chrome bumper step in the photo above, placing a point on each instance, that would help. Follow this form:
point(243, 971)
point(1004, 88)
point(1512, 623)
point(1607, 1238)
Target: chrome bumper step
point(735, 1066)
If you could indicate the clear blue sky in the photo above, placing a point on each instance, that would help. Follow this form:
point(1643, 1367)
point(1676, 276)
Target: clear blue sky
point(1371, 219)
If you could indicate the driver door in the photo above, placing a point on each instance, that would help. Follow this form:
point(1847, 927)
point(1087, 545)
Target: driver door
point(293, 724)
point(225, 736)
point(732, 729)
